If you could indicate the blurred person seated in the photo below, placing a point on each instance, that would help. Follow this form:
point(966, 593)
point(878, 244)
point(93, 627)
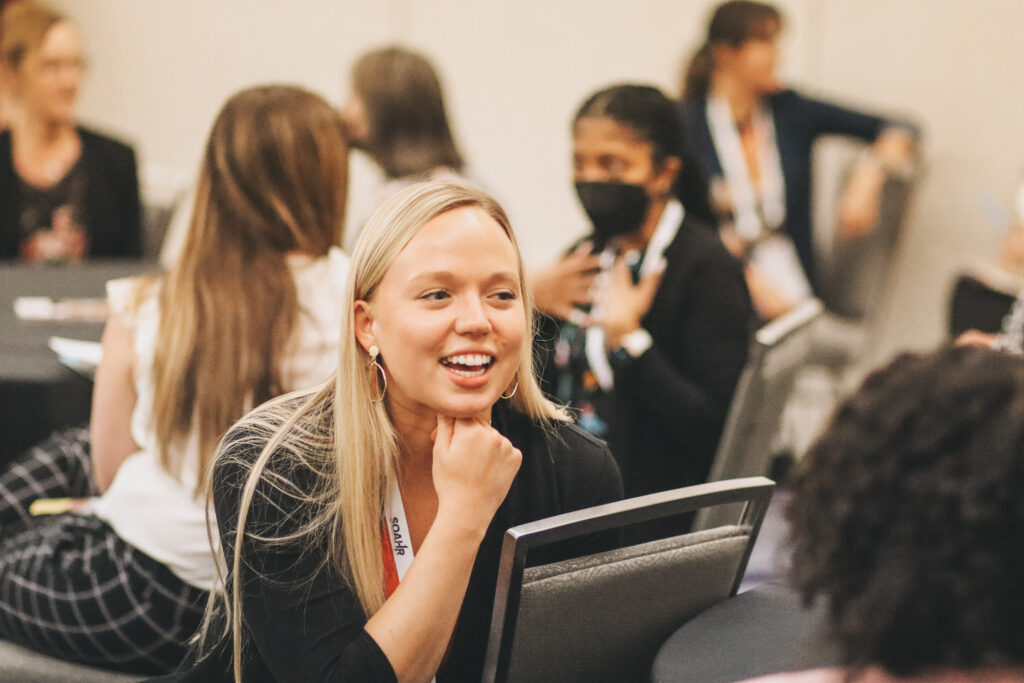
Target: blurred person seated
point(362, 524)
point(67, 193)
point(754, 139)
point(906, 519)
point(652, 363)
point(1005, 277)
point(250, 310)
point(396, 115)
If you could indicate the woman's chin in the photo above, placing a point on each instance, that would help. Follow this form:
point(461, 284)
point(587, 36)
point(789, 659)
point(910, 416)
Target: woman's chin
point(479, 408)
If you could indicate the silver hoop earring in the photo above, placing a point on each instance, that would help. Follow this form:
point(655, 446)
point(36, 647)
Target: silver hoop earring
point(514, 390)
point(374, 352)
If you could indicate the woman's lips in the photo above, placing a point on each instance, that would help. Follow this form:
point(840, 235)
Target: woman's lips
point(468, 370)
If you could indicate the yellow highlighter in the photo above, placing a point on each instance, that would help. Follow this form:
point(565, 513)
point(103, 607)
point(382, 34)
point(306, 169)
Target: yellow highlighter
point(55, 506)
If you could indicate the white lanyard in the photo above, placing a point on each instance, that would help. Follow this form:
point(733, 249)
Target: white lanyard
point(398, 530)
point(752, 211)
point(654, 260)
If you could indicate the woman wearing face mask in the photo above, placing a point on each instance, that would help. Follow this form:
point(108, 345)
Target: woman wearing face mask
point(362, 524)
point(653, 365)
point(754, 140)
point(66, 192)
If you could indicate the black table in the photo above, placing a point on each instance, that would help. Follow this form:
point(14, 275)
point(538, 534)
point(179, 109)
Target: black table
point(760, 632)
point(37, 393)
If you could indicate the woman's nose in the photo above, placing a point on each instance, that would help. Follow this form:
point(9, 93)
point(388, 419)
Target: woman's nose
point(471, 317)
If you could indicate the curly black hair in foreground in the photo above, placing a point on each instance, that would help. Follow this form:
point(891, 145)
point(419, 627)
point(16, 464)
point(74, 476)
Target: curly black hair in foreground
point(908, 515)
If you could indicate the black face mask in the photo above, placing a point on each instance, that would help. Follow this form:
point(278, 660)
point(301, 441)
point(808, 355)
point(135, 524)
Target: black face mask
point(614, 208)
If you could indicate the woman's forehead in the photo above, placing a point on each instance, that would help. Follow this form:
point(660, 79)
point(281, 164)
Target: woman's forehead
point(465, 239)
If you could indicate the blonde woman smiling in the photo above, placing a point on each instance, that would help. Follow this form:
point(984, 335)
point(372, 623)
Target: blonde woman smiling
point(362, 525)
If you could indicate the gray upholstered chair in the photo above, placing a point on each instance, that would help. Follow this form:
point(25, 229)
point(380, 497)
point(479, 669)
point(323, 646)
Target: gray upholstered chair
point(21, 665)
point(602, 617)
point(778, 352)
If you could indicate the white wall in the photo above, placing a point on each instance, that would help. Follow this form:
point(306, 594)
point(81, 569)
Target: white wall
point(515, 71)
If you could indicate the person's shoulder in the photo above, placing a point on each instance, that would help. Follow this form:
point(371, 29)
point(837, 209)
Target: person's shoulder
point(698, 241)
point(104, 143)
point(575, 448)
point(787, 97)
point(248, 438)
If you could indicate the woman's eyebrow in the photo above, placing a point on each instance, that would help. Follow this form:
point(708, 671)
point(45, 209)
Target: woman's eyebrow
point(447, 276)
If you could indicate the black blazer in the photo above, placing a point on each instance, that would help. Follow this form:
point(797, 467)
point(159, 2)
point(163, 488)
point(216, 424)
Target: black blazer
point(308, 623)
point(112, 206)
point(667, 408)
point(799, 121)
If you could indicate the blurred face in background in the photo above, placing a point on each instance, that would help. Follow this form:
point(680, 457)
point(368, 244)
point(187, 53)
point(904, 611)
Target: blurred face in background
point(48, 79)
point(754, 62)
point(357, 127)
point(606, 151)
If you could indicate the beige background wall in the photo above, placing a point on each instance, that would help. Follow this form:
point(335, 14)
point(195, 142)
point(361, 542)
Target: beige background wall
point(515, 70)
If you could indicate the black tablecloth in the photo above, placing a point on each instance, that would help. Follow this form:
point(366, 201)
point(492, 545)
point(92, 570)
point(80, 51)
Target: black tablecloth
point(760, 632)
point(37, 393)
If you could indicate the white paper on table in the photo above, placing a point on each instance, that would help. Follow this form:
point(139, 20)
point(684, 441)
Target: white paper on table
point(74, 309)
point(79, 355)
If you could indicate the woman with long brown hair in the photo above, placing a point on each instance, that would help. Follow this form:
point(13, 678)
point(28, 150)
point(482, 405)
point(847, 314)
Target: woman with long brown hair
point(250, 310)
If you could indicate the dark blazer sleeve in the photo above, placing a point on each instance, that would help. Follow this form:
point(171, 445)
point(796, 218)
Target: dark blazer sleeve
point(685, 380)
point(301, 617)
point(825, 118)
point(113, 204)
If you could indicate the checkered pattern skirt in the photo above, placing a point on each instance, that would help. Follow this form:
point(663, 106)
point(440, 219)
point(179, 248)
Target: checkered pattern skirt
point(70, 587)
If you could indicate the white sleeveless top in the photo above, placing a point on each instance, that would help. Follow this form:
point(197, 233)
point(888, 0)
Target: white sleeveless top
point(152, 510)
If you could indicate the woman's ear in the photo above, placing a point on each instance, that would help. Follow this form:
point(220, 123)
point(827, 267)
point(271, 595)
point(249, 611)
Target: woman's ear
point(665, 178)
point(363, 316)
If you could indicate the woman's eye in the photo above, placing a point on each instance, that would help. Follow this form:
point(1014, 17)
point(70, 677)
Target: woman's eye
point(505, 295)
point(435, 295)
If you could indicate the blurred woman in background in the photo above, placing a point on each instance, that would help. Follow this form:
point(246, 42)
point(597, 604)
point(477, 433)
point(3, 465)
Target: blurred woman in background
point(66, 192)
point(755, 138)
point(250, 310)
point(396, 114)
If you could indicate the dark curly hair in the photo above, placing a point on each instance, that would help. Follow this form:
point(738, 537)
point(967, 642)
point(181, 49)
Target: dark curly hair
point(907, 515)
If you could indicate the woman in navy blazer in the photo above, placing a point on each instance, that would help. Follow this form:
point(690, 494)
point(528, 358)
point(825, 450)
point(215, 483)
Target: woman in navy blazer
point(754, 139)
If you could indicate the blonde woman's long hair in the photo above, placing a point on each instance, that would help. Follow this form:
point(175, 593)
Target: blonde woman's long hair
point(342, 433)
point(272, 181)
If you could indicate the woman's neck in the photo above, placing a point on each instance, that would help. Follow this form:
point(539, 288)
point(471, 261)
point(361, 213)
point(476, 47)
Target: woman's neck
point(641, 238)
point(35, 132)
point(743, 101)
point(416, 430)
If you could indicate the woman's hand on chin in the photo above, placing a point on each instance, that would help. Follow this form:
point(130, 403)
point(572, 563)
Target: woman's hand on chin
point(473, 468)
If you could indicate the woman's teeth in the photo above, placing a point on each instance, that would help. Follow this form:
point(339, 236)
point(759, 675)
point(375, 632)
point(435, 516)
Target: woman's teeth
point(468, 365)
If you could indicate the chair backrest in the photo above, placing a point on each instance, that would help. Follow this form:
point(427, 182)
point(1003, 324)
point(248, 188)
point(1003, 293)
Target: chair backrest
point(778, 351)
point(602, 617)
point(859, 269)
point(979, 303)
